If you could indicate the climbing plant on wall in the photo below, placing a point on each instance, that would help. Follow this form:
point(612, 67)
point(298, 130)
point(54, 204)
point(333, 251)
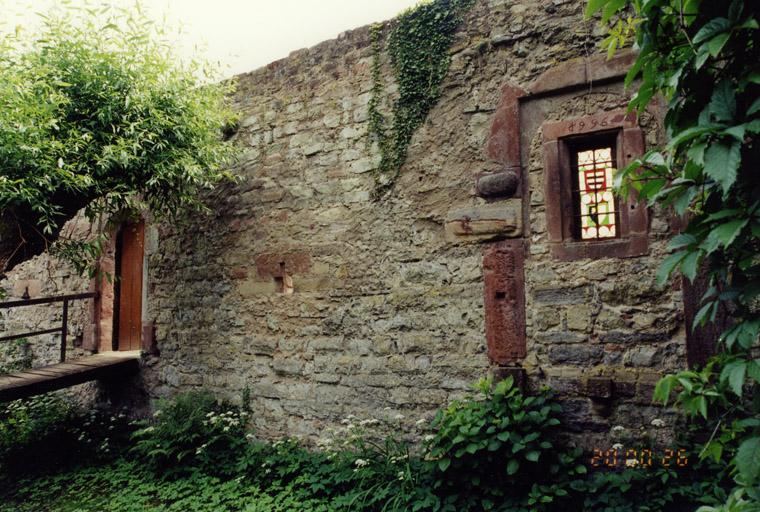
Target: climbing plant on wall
point(418, 47)
point(703, 57)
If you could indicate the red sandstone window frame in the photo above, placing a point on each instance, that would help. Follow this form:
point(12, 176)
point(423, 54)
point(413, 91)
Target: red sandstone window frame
point(559, 138)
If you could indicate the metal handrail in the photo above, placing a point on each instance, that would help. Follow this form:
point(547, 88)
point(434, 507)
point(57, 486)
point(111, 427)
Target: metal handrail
point(63, 329)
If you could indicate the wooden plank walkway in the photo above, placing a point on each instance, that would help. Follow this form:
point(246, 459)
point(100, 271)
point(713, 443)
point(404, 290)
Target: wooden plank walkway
point(63, 375)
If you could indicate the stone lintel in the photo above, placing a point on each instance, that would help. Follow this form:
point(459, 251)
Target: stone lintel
point(583, 71)
point(483, 223)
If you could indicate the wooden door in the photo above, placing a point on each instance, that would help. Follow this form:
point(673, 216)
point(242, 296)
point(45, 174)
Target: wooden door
point(128, 321)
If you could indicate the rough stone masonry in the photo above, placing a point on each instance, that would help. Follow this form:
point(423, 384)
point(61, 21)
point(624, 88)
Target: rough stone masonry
point(326, 302)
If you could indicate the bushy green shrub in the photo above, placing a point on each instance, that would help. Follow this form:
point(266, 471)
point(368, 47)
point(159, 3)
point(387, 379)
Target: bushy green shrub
point(191, 431)
point(46, 431)
point(499, 448)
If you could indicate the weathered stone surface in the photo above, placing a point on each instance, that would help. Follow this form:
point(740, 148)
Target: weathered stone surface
point(504, 285)
point(500, 184)
point(484, 222)
point(576, 354)
point(389, 308)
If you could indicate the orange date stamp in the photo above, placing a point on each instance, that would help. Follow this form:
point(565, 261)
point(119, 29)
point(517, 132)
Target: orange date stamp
point(621, 457)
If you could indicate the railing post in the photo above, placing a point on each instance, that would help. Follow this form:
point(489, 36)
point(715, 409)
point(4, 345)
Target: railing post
point(64, 329)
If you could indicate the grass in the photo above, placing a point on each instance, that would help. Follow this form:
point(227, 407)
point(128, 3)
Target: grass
point(122, 486)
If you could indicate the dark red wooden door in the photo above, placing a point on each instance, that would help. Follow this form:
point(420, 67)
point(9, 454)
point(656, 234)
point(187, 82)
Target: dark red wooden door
point(130, 275)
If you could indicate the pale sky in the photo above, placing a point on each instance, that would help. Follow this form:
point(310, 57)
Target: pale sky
point(242, 34)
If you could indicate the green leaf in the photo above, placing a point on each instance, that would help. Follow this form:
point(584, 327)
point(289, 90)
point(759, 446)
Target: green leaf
point(753, 370)
point(722, 162)
point(444, 464)
point(667, 266)
point(723, 101)
point(716, 44)
point(690, 133)
point(712, 28)
point(696, 153)
point(512, 467)
point(706, 312)
point(748, 459)
point(754, 107)
point(702, 55)
point(594, 5)
point(663, 388)
point(702, 406)
point(735, 372)
point(690, 264)
point(612, 7)
point(681, 240)
point(725, 234)
point(533, 455)
point(713, 450)
point(736, 132)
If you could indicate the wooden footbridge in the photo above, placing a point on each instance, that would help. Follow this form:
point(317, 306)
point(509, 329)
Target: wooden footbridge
point(35, 381)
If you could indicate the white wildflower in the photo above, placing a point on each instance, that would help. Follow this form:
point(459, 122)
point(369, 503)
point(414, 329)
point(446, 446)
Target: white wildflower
point(617, 446)
point(617, 429)
point(428, 438)
point(420, 422)
point(398, 417)
point(657, 422)
point(360, 463)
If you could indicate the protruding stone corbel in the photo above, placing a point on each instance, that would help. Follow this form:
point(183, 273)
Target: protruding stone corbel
point(500, 184)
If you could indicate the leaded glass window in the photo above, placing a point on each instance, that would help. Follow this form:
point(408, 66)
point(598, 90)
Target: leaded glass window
point(595, 204)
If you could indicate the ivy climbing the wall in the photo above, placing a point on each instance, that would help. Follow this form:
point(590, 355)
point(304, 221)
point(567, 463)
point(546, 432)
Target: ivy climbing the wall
point(418, 46)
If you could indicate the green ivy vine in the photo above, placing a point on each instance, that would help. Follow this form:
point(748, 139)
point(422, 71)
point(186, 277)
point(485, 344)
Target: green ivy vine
point(418, 46)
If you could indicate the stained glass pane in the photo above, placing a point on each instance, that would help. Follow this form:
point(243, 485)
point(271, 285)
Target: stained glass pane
point(596, 200)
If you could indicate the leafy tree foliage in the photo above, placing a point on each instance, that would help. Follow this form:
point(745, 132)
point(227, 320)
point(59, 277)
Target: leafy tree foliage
point(97, 113)
point(703, 57)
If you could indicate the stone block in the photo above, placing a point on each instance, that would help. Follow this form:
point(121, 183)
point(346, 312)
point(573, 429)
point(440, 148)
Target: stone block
point(287, 366)
point(276, 264)
point(578, 317)
point(576, 354)
point(252, 288)
point(554, 337)
point(598, 387)
point(500, 184)
point(482, 223)
point(504, 301)
point(560, 296)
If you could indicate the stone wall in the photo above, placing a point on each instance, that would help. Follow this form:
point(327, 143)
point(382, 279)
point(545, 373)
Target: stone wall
point(44, 276)
point(387, 310)
point(387, 303)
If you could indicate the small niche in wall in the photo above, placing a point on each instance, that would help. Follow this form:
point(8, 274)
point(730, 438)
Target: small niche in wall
point(284, 282)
